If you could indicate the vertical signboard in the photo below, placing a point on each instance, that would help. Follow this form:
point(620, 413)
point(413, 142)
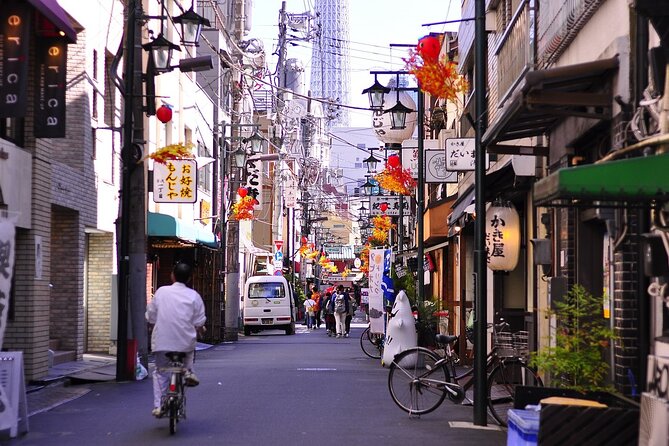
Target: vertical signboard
point(174, 181)
point(7, 252)
point(15, 28)
point(50, 78)
point(376, 261)
point(254, 181)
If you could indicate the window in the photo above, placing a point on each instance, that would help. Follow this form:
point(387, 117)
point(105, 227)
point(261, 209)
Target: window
point(204, 174)
point(266, 290)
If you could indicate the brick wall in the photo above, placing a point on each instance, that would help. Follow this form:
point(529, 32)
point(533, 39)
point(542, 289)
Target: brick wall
point(98, 292)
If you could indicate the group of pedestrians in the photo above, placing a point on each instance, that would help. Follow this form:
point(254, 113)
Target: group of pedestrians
point(335, 307)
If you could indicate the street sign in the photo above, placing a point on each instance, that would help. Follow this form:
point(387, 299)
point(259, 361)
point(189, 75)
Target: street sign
point(278, 256)
point(175, 181)
point(393, 202)
point(278, 244)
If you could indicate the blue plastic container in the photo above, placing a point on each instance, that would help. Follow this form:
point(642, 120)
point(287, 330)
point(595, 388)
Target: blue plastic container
point(523, 428)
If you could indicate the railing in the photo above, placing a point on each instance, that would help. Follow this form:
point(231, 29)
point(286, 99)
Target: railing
point(558, 24)
point(515, 50)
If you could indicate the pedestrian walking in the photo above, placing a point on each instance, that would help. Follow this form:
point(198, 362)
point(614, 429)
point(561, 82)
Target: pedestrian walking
point(352, 307)
point(340, 307)
point(177, 315)
point(328, 314)
point(309, 314)
point(316, 296)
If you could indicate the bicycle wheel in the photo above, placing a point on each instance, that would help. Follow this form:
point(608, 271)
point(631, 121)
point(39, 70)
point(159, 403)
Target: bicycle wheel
point(416, 384)
point(502, 383)
point(174, 415)
point(371, 344)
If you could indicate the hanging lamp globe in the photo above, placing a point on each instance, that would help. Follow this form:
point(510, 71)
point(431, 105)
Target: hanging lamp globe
point(164, 114)
point(502, 229)
point(191, 26)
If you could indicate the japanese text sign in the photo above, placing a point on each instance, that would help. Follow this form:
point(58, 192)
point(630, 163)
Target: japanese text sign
point(175, 181)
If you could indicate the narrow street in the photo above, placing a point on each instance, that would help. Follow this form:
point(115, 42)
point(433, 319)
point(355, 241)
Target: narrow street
point(266, 389)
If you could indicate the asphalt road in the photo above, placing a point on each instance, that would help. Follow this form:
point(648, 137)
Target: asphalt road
point(265, 389)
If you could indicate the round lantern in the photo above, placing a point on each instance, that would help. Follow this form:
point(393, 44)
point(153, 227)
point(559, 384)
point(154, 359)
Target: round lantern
point(164, 114)
point(382, 124)
point(394, 160)
point(242, 192)
point(502, 228)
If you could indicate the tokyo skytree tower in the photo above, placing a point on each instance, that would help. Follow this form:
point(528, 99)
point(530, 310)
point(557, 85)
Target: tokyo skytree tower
point(330, 64)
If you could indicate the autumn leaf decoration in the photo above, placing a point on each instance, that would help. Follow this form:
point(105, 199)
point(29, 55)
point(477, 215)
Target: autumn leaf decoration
point(394, 178)
point(382, 225)
point(243, 208)
point(364, 256)
point(437, 76)
point(177, 151)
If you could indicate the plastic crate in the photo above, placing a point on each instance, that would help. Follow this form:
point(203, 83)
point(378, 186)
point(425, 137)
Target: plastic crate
point(523, 428)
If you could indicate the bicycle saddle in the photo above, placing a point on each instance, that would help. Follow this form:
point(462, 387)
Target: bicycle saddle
point(445, 339)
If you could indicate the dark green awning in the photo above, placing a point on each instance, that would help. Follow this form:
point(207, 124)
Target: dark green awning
point(163, 225)
point(634, 179)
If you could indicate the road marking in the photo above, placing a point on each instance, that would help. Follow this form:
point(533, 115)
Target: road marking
point(315, 369)
point(468, 425)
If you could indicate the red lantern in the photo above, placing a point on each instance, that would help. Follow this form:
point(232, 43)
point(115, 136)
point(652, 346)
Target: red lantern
point(164, 114)
point(242, 192)
point(428, 48)
point(393, 160)
point(304, 240)
point(383, 207)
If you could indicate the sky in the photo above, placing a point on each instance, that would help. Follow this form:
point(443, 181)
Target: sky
point(398, 22)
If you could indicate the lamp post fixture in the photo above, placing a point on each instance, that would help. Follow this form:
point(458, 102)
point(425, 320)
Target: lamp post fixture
point(398, 115)
point(161, 51)
point(371, 162)
point(191, 26)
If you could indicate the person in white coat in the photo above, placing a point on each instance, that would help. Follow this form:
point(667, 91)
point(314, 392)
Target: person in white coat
point(177, 315)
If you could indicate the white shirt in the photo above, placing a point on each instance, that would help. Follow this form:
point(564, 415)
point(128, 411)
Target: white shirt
point(176, 311)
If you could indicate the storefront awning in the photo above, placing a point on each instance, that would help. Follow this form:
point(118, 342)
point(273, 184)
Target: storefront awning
point(56, 15)
point(545, 97)
point(163, 225)
point(628, 180)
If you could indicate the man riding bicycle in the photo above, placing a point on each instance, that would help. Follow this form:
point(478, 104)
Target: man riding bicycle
point(177, 313)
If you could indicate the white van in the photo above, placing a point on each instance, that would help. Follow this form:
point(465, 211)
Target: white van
point(268, 304)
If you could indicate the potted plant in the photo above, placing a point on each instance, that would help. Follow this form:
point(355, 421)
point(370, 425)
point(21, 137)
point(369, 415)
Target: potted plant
point(576, 363)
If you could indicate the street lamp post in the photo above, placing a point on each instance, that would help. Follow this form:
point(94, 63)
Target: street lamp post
point(398, 115)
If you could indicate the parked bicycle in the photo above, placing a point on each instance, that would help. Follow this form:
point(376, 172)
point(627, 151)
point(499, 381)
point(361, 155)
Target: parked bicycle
point(372, 343)
point(173, 403)
point(420, 379)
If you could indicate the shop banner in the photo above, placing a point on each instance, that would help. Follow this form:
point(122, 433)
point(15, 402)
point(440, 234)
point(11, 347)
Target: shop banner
point(50, 83)
point(15, 28)
point(7, 240)
point(376, 258)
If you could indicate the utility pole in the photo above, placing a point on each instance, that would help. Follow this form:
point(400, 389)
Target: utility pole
point(480, 261)
point(131, 326)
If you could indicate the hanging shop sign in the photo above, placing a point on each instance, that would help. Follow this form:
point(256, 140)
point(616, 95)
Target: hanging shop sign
point(175, 181)
point(392, 205)
point(15, 28)
point(50, 79)
point(435, 168)
point(502, 228)
point(461, 154)
point(254, 181)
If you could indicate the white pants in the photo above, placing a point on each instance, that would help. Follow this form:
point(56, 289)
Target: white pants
point(340, 323)
point(161, 380)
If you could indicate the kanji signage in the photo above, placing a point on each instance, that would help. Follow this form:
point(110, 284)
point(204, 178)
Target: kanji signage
point(254, 181)
point(392, 202)
point(502, 236)
point(175, 181)
point(461, 154)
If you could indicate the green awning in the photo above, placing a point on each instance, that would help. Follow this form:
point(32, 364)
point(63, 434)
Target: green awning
point(163, 225)
point(635, 179)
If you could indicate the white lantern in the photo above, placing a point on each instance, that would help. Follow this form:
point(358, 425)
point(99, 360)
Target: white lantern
point(382, 124)
point(502, 236)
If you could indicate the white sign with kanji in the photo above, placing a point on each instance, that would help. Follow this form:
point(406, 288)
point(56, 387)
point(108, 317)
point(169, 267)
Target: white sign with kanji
point(175, 181)
point(461, 154)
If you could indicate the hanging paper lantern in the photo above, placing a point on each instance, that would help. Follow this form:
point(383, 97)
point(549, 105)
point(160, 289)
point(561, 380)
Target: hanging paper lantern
point(502, 228)
point(428, 47)
point(383, 207)
point(393, 161)
point(164, 114)
point(242, 192)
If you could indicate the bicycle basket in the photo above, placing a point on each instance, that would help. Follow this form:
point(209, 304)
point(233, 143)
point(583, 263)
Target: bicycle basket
point(520, 343)
point(503, 344)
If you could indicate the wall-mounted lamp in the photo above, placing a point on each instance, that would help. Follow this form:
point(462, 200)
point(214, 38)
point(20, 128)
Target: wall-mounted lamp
point(191, 26)
point(160, 50)
point(376, 93)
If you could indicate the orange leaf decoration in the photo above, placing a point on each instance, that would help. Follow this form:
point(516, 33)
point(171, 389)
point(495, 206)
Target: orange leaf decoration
point(396, 179)
point(172, 152)
point(243, 209)
point(439, 77)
